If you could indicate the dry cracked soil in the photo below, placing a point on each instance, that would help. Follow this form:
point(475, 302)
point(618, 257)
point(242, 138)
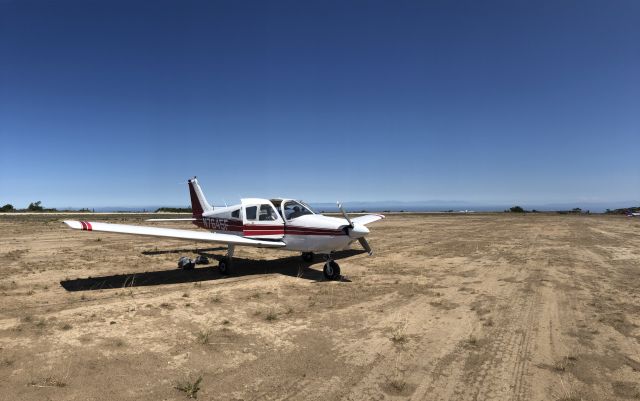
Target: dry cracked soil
point(450, 307)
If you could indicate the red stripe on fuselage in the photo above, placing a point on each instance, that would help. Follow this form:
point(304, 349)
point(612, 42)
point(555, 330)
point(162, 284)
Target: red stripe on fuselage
point(253, 233)
point(236, 226)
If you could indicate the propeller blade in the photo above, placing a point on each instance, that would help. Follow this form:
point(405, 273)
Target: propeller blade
point(345, 214)
point(365, 245)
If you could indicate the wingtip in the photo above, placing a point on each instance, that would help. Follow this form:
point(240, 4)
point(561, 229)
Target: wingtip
point(76, 225)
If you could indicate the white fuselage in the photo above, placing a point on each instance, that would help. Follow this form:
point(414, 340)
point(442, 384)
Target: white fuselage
point(284, 220)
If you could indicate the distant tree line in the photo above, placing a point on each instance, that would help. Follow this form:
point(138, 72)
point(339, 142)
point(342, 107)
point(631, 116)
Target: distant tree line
point(33, 207)
point(36, 207)
point(519, 209)
point(633, 209)
point(174, 210)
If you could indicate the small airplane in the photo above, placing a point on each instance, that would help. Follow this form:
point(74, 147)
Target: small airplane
point(633, 214)
point(285, 224)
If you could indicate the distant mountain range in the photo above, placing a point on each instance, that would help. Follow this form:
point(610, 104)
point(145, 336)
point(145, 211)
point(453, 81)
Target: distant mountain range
point(416, 206)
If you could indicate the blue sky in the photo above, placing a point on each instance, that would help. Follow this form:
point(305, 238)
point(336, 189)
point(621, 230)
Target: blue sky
point(118, 103)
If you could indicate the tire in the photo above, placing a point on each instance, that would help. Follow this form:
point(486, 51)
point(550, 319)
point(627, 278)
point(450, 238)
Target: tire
point(331, 270)
point(307, 256)
point(185, 263)
point(223, 267)
point(201, 260)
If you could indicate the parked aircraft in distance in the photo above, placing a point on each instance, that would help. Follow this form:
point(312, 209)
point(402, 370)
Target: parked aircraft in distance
point(286, 224)
point(633, 214)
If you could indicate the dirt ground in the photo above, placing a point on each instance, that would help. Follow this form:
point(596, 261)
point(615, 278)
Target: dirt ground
point(450, 307)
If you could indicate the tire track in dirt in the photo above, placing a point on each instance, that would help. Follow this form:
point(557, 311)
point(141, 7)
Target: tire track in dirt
point(497, 369)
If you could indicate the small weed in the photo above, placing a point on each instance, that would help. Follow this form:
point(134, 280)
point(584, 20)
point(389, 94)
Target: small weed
point(474, 342)
point(271, 316)
point(6, 362)
point(226, 322)
point(65, 326)
point(565, 363)
point(489, 322)
point(185, 295)
point(190, 388)
point(48, 382)
point(215, 299)
point(397, 383)
point(399, 337)
point(115, 342)
point(203, 336)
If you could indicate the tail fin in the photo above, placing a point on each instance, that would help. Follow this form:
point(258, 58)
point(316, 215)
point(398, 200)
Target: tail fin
point(199, 203)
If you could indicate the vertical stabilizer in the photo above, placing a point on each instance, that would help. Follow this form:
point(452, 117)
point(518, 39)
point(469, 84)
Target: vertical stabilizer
point(199, 203)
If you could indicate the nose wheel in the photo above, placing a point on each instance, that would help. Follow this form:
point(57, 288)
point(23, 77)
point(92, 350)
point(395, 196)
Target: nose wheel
point(331, 270)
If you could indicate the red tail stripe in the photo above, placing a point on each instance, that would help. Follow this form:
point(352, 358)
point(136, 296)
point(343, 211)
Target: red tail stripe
point(84, 226)
point(89, 228)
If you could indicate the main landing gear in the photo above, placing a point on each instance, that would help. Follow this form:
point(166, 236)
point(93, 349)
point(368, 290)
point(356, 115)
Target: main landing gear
point(307, 256)
point(331, 269)
point(224, 266)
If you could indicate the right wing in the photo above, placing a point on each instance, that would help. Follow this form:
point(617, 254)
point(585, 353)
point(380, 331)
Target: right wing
point(172, 233)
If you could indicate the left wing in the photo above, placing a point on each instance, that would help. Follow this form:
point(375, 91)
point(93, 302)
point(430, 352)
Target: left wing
point(367, 218)
point(172, 233)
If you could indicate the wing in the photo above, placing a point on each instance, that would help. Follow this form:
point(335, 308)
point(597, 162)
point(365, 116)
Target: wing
point(172, 233)
point(367, 218)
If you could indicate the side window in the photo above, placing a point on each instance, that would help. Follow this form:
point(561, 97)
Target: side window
point(267, 213)
point(251, 212)
point(236, 213)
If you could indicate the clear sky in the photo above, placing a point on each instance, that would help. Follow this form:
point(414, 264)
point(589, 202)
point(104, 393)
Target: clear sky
point(107, 103)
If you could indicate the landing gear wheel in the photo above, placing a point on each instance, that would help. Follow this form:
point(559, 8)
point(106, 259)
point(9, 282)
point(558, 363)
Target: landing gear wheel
point(185, 263)
point(307, 256)
point(331, 270)
point(224, 267)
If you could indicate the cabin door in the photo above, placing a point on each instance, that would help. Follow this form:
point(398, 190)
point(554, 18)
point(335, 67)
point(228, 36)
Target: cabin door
point(262, 221)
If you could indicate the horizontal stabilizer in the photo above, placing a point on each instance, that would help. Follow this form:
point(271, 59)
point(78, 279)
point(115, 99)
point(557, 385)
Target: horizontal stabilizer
point(172, 233)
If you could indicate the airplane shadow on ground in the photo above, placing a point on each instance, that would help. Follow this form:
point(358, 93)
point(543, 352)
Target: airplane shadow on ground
point(289, 266)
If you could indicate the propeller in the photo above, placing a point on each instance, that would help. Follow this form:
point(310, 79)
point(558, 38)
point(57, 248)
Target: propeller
point(362, 240)
point(345, 214)
point(365, 245)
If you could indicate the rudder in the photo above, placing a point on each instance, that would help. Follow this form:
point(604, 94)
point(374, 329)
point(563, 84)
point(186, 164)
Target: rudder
point(199, 204)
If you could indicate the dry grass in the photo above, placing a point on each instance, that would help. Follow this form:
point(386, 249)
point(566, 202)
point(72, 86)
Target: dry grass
point(189, 387)
point(565, 363)
point(271, 316)
point(203, 336)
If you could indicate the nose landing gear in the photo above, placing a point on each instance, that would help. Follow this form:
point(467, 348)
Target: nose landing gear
point(331, 270)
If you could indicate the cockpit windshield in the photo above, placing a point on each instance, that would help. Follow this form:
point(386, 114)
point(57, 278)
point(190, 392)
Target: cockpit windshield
point(293, 209)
